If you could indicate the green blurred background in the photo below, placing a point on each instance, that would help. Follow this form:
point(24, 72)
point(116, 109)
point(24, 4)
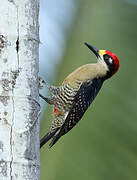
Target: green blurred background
point(103, 146)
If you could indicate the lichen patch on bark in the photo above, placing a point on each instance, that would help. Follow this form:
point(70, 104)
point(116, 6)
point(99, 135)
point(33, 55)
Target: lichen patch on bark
point(3, 167)
point(1, 146)
point(2, 42)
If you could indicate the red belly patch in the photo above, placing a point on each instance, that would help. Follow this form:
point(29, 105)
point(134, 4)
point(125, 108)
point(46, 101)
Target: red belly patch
point(56, 111)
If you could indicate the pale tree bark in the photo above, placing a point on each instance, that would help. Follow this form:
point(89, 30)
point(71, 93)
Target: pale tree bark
point(19, 99)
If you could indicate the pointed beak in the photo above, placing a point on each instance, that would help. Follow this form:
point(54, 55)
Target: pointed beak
point(93, 49)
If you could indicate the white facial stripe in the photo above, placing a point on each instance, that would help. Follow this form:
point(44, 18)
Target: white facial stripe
point(110, 60)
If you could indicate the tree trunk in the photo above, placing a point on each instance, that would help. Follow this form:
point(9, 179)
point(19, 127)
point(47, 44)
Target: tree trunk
point(19, 97)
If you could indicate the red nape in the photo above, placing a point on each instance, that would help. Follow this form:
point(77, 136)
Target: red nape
point(116, 60)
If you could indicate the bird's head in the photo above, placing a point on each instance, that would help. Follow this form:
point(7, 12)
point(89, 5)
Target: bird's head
point(107, 58)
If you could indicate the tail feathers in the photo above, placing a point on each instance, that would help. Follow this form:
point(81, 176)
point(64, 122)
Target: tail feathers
point(47, 137)
point(54, 140)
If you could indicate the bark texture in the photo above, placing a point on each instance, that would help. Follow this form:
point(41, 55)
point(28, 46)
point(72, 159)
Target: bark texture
point(19, 99)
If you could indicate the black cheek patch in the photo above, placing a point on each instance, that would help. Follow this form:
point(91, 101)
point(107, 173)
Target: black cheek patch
point(110, 65)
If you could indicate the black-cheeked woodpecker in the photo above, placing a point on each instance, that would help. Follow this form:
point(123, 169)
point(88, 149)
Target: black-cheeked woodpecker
point(78, 90)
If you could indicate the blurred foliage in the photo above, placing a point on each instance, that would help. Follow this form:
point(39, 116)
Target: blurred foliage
point(103, 145)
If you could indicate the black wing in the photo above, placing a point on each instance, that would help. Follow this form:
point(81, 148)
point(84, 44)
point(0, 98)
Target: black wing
point(82, 101)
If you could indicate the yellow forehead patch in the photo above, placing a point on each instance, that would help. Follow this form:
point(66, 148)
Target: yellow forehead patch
point(102, 52)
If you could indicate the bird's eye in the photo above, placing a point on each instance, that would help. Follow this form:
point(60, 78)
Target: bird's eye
point(108, 58)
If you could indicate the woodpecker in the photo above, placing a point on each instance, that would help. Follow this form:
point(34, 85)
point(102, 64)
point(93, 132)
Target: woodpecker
point(78, 90)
